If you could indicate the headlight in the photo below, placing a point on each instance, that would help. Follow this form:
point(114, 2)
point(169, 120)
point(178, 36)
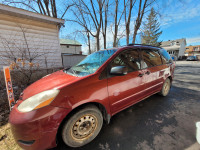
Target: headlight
point(37, 101)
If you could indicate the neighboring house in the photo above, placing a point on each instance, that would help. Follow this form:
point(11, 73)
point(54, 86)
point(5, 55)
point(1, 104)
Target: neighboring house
point(71, 52)
point(175, 47)
point(70, 46)
point(29, 36)
point(193, 51)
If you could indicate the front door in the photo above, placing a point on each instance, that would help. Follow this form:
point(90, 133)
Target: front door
point(127, 89)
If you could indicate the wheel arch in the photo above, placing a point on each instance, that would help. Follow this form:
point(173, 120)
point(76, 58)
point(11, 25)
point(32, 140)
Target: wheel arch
point(170, 78)
point(101, 107)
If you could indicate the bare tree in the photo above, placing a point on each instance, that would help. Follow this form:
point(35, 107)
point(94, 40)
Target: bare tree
point(89, 16)
point(143, 5)
point(45, 7)
point(96, 17)
point(117, 22)
point(128, 13)
point(81, 18)
point(105, 21)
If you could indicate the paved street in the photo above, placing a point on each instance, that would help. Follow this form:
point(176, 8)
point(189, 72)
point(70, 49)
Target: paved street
point(157, 123)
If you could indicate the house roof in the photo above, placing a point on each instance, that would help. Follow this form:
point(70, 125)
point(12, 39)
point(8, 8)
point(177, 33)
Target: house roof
point(192, 46)
point(69, 42)
point(18, 12)
point(168, 43)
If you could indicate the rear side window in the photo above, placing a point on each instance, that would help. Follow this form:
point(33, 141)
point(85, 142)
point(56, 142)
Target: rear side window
point(165, 56)
point(151, 58)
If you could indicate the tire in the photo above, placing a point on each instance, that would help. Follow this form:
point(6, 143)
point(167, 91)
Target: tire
point(82, 127)
point(166, 87)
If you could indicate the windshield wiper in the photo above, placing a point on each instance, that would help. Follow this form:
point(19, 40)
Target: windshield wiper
point(74, 72)
point(65, 69)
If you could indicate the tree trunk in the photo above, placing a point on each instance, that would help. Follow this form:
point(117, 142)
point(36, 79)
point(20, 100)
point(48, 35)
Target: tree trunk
point(127, 33)
point(97, 42)
point(89, 46)
point(116, 25)
point(105, 22)
point(134, 36)
point(104, 44)
point(128, 21)
point(115, 36)
point(139, 18)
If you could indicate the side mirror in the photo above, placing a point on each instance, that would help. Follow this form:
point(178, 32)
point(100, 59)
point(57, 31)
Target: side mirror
point(119, 70)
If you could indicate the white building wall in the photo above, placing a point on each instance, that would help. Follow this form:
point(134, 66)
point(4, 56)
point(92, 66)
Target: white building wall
point(182, 49)
point(20, 37)
point(70, 49)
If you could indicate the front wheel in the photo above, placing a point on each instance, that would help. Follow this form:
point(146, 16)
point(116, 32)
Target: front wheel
point(82, 127)
point(166, 87)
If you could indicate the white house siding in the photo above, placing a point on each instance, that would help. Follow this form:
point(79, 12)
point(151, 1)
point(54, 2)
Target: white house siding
point(42, 39)
point(70, 49)
point(182, 49)
point(175, 47)
point(173, 50)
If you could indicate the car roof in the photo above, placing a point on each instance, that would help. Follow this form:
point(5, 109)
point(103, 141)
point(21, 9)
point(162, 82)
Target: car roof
point(133, 45)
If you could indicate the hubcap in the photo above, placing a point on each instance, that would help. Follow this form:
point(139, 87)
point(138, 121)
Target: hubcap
point(84, 127)
point(166, 87)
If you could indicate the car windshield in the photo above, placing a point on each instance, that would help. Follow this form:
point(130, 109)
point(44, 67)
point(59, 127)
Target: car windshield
point(91, 63)
point(191, 57)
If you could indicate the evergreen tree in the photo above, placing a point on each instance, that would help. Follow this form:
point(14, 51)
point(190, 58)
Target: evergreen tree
point(151, 30)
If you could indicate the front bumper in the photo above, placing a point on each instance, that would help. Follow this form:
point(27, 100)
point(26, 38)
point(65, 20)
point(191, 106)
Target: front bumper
point(36, 129)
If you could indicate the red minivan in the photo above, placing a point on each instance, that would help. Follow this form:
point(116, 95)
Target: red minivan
point(73, 103)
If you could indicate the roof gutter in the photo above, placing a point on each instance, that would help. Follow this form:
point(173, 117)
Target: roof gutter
point(4, 9)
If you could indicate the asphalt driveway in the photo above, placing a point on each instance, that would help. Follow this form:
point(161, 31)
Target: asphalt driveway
point(157, 123)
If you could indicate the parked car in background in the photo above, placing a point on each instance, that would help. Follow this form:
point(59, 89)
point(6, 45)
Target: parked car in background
point(73, 103)
point(192, 58)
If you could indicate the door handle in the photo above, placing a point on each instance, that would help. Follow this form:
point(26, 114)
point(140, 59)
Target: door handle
point(148, 72)
point(141, 74)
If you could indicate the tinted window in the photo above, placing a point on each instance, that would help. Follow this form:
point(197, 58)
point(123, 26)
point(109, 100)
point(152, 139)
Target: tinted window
point(165, 56)
point(129, 58)
point(151, 58)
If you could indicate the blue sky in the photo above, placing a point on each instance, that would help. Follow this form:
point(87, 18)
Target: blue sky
point(181, 19)
point(178, 19)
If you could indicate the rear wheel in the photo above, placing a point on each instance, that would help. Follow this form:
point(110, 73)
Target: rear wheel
point(82, 127)
point(166, 87)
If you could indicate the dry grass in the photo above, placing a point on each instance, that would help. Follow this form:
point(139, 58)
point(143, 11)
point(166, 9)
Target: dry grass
point(7, 141)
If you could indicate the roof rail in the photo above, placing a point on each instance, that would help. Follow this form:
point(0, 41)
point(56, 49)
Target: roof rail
point(142, 45)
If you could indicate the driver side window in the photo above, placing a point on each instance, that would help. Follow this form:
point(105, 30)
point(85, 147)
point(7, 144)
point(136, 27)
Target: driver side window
point(129, 59)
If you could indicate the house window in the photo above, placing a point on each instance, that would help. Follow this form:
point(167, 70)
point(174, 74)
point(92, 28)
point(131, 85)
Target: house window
point(173, 43)
point(196, 48)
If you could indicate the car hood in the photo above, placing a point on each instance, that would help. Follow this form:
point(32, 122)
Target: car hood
point(51, 81)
